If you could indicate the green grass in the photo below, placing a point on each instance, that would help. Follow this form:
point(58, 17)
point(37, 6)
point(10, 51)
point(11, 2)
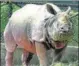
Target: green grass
point(69, 58)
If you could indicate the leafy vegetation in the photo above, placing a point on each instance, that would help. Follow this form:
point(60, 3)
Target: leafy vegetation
point(4, 16)
point(5, 13)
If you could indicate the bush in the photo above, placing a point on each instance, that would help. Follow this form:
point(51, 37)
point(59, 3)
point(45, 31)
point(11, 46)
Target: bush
point(5, 14)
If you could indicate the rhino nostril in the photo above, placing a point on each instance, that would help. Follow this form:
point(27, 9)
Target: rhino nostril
point(65, 31)
point(62, 28)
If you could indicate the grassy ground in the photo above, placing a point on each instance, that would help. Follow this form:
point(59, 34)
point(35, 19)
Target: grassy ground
point(69, 58)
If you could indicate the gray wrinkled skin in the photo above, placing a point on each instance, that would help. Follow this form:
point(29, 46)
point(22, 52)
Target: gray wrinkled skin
point(59, 31)
point(30, 21)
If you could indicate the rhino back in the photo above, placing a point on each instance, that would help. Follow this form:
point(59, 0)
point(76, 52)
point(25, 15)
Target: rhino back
point(22, 20)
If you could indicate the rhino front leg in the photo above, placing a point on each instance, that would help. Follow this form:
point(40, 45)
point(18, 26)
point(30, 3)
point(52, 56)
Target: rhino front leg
point(41, 53)
point(58, 54)
point(26, 57)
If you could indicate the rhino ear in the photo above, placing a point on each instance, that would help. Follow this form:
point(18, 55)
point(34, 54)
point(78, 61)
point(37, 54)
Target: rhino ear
point(68, 10)
point(51, 8)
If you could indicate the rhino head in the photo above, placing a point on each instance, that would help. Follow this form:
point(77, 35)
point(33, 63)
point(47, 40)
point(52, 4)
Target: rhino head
point(59, 26)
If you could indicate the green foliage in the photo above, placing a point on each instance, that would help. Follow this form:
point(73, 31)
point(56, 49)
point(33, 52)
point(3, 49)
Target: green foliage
point(4, 16)
point(75, 29)
point(15, 7)
point(5, 13)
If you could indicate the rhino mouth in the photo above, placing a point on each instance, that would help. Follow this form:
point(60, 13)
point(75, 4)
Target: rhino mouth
point(59, 44)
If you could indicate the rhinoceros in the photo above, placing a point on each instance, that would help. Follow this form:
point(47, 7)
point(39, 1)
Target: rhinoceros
point(36, 29)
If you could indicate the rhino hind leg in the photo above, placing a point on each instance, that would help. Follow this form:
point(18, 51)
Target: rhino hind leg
point(10, 46)
point(29, 58)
